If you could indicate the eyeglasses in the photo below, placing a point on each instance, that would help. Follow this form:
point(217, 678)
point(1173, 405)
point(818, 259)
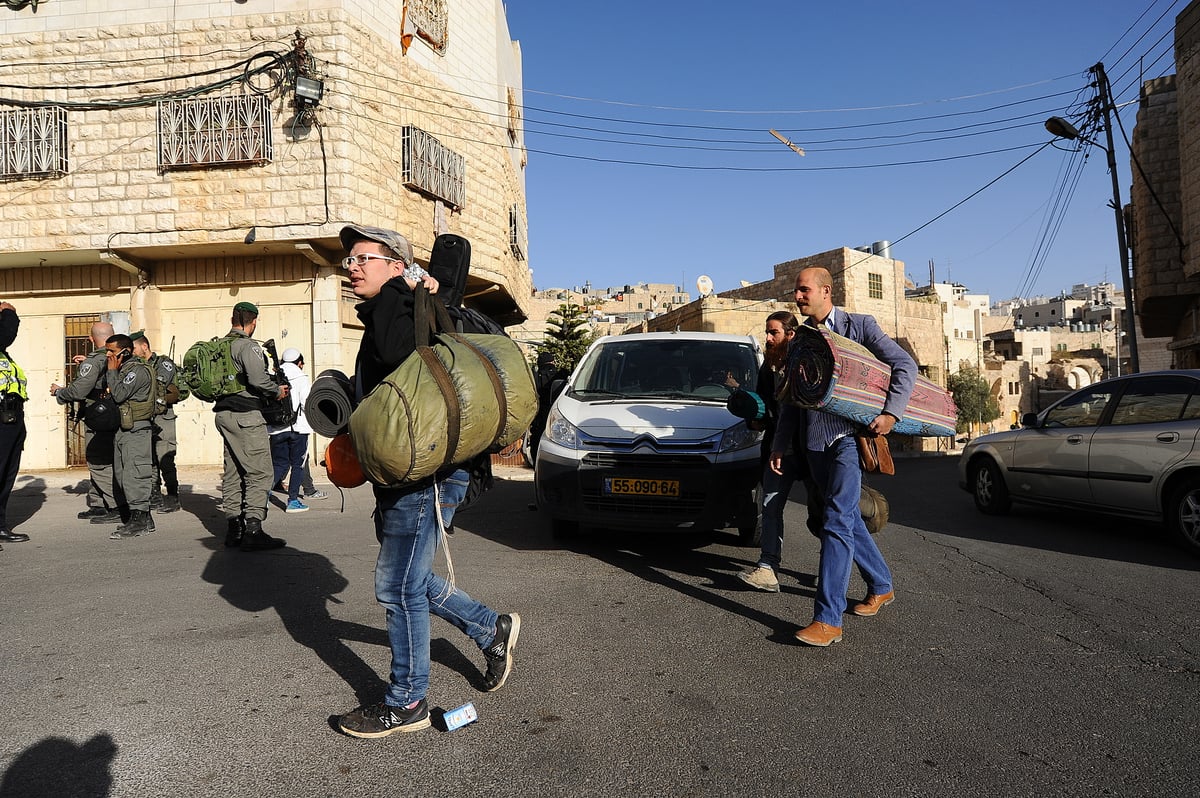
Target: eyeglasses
point(360, 260)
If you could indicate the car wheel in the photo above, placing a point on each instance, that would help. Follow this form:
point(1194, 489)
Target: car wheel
point(1184, 519)
point(749, 523)
point(988, 488)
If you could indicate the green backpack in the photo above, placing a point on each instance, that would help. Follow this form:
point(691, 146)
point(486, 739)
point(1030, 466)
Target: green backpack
point(209, 371)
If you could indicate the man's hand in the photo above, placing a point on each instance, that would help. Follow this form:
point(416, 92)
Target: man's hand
point(114, 360)
point(54, 388)
point(78, 359)
point(284, 391)
point(7, 306)
point(776, 462)
point(882, 424)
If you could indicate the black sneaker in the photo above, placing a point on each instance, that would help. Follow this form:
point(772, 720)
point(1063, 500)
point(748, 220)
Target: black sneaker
point(108, 517)
point(169, 503)
point(380, 720)
point(91, 512)
point(500, 653)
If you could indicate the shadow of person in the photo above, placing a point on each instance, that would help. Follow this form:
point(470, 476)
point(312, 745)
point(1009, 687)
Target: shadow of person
point(58, 768)
point(299, 586)
point(26, 500)
point(675, 562)
point(206, 508)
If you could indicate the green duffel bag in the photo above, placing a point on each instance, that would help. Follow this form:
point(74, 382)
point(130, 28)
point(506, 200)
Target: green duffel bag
point(458, 395)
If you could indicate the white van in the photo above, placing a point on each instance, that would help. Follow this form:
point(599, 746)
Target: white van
point(639, 438)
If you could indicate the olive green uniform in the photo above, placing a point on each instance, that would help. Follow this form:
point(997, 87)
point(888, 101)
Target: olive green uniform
point(89, 384)
point(165, 442)
point(249, 472)
point(133, 460)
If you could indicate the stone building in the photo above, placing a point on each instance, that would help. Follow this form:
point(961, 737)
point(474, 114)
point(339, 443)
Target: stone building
point(163, 161)
point(1163, 217)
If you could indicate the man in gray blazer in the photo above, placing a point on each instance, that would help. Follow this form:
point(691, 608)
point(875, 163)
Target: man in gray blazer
point(833, 459)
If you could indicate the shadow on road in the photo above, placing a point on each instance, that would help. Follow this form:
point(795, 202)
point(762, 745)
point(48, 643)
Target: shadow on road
point(58, 768)
point(28, 496)
point(299, 585)
point(924, 494)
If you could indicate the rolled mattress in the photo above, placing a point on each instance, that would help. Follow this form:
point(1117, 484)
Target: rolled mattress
point(831, 373)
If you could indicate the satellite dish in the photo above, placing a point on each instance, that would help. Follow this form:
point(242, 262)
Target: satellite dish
point(704, 285)
point(746, 283)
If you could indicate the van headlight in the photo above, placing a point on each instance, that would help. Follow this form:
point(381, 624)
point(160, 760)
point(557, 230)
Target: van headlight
point(561, 431)
point(738, 437)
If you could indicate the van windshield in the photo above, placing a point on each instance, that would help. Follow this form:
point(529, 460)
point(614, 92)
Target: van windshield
point(682, 368)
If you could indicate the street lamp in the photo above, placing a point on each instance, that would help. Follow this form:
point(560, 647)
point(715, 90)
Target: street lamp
point(1061, 128)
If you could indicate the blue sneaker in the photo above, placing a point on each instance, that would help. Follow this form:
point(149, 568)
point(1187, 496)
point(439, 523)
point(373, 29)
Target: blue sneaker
point(295, 506)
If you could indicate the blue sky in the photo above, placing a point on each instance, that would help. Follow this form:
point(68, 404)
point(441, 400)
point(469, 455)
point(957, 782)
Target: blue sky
point(650, 157)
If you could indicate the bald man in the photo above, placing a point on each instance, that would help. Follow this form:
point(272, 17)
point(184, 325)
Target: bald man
point(89, 384)
point(832, 456)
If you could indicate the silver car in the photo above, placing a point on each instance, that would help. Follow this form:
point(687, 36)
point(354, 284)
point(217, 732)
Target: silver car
point(1124, 446)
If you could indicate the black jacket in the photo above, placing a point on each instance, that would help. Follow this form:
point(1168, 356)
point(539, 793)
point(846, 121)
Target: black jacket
point(388, 336)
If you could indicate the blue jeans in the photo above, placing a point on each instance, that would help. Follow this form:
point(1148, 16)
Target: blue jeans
point(845, 540)
point(775, 490)
point(409, 590)
point(289, 450)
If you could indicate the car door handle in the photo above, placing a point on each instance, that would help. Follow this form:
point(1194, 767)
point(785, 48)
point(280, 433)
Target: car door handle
point(1167, 437)
point(1074, 439)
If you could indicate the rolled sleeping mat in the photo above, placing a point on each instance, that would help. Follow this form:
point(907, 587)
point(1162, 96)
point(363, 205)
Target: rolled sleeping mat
point(747, 405)
point(330, 403)
point(836, 375)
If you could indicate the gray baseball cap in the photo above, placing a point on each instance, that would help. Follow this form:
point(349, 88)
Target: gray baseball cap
point(389, 238)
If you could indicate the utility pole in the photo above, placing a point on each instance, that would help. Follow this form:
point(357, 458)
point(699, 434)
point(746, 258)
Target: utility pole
point(1106, 107)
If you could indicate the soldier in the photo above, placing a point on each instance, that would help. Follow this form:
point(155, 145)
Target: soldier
point(131, 383)
point(246, 482)
point(89, 385)
point(163, 424)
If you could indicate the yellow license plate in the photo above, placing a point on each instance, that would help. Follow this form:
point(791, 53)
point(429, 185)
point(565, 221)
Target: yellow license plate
point(622, 486)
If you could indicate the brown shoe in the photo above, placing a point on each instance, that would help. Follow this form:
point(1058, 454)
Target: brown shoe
point(819, 634)
point(873, 604)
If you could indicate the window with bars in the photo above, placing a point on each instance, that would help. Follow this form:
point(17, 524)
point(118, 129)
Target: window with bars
point(33, 143)
point(214, 131)
point(432, 168)
point(516, 232)
point(874, 285)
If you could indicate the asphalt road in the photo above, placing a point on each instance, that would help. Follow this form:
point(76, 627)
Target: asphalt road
point(1037, 654)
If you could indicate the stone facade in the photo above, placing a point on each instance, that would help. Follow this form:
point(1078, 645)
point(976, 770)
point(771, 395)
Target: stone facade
point(171, 251)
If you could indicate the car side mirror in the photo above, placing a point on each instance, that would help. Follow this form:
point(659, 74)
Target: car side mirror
point(556, 388)
point(1029, 420)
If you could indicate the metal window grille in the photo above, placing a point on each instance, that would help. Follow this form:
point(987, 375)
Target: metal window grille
point(33, 143)
point(208, 131)
point(431, 21)
point(875, 286)
point(516, 232)
point(432, 168)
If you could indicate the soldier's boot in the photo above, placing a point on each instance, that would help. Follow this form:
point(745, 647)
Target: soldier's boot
point(170, 503)
point(139, 523)
point(237, 529)
point(257, 540)
point(156, 500)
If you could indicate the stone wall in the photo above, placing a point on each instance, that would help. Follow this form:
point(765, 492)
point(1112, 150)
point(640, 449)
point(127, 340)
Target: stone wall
point(115, 232)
